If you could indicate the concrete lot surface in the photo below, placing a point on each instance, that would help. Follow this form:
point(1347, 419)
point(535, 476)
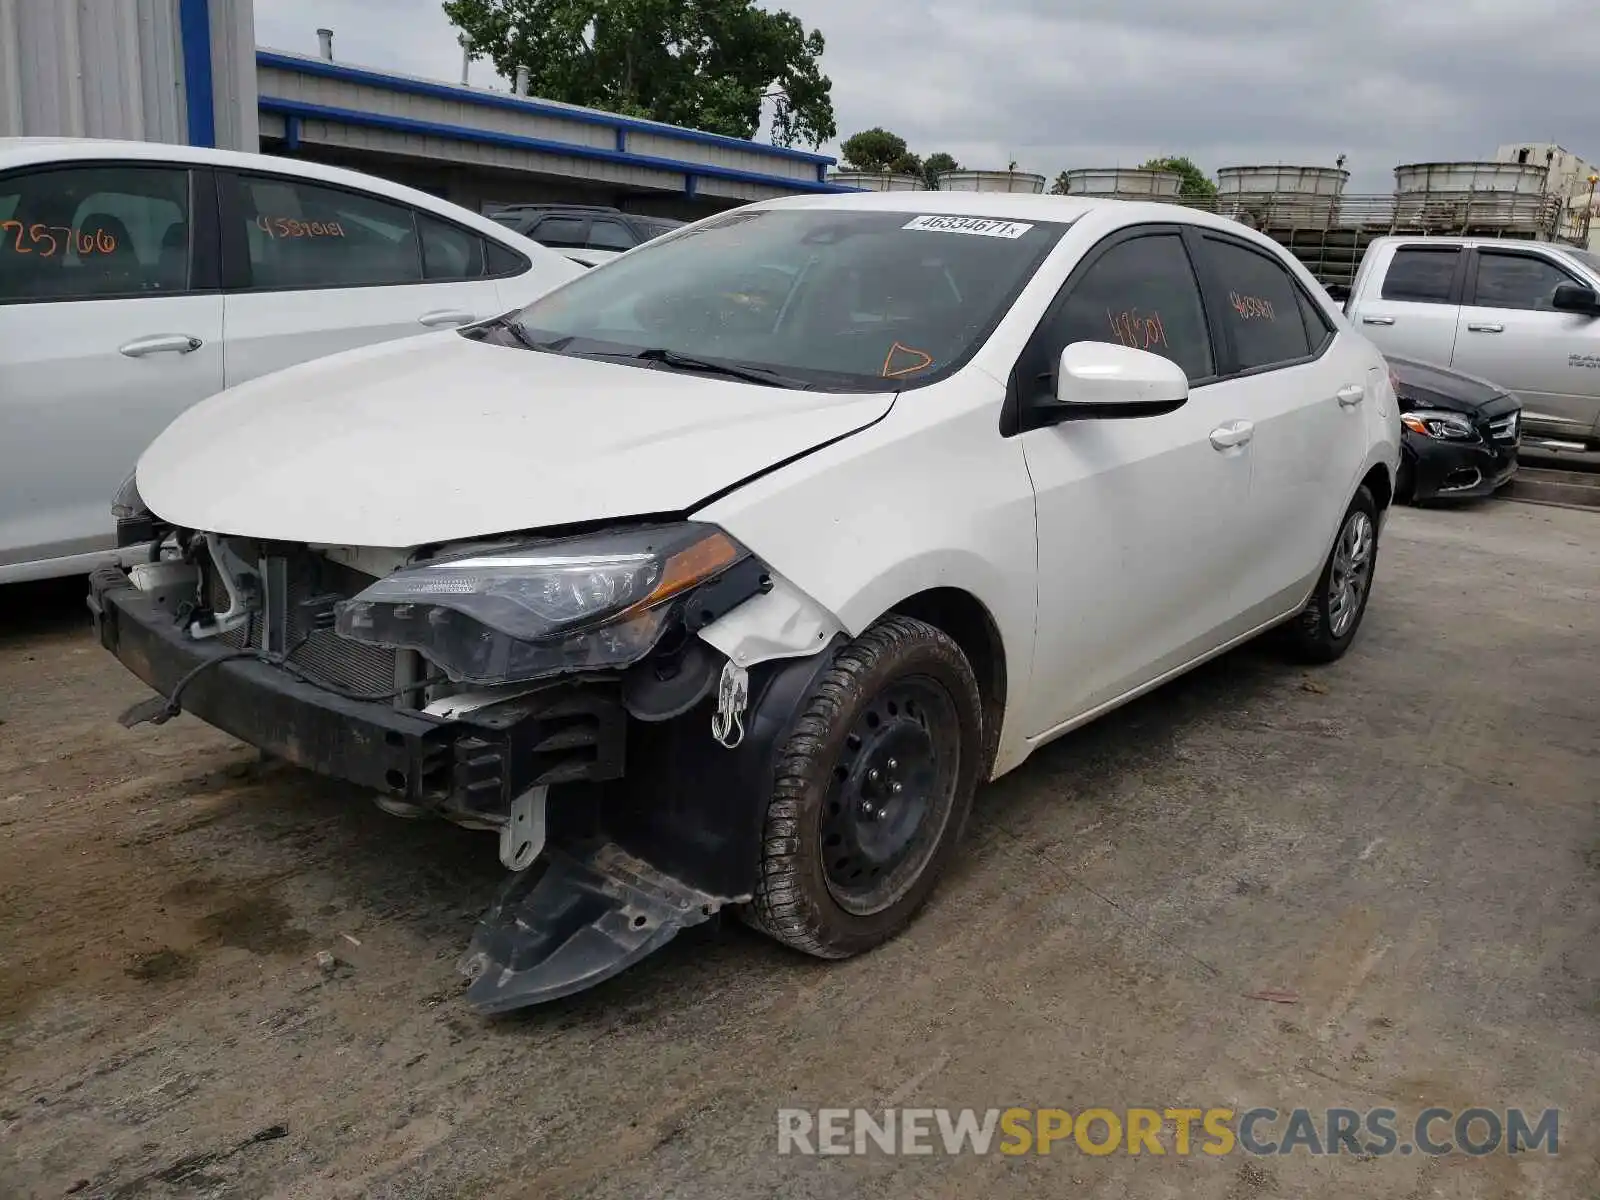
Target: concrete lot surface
point(1375, 884)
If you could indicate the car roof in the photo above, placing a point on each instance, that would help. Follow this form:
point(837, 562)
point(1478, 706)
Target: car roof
point(541, 206)
point(609, 210)
point(1022, 206)
point(26, 151)
point(37, 151)
point(1441, 239)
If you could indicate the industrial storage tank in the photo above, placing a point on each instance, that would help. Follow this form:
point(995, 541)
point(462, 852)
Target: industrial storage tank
point(1474, 197)
point(1124, 183)
point(1281, 195)
point(878, 181)
point(990, 181)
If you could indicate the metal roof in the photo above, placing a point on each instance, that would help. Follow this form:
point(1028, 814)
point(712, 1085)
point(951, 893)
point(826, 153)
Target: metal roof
point(364, 109)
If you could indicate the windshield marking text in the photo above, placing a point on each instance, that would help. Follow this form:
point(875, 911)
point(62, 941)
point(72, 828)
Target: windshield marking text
point(979, 226)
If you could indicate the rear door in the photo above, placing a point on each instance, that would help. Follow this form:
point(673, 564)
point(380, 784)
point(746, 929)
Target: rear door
point(110, 326)
point(1305, 395)
point(1411, 305)
point(311, 269)
point(1510, 335)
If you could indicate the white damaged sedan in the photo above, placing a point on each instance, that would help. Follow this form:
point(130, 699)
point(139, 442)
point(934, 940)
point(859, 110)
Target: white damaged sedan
point(723, 576)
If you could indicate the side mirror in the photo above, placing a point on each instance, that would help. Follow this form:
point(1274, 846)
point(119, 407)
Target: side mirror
point(1574, 298)
point(1338, 292)
point(1104, 380)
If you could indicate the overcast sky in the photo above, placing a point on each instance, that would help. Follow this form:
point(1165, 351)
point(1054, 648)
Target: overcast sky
point(1087, 83)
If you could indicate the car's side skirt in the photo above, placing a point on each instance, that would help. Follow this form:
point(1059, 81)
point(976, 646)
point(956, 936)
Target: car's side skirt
point(1100, 710)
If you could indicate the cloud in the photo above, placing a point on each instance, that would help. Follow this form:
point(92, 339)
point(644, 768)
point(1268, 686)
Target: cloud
point(1105, 82)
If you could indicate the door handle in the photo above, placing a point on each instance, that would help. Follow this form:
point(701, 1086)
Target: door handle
point(180, 343)
point(1232, 435)
point(1486, 327)
point(1377, 320)
point(446, 316)
point(1351, 395)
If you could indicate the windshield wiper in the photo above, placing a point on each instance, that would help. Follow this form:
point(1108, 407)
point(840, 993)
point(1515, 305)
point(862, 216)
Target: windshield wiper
point(688, 362)
point(502, 324)
point(581, 348)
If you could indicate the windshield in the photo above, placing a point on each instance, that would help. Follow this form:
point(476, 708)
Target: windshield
point(1588, 258)
point(833, 299)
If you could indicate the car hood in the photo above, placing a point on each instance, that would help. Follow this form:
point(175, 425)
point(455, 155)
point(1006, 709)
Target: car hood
point(441, 437)
point(1444, 387)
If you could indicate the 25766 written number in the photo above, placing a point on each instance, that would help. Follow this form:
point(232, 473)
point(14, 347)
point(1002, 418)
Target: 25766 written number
point(42, 239)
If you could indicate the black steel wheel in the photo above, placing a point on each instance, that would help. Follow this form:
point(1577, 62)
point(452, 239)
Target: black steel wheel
point(892, 793)
point(873, 787)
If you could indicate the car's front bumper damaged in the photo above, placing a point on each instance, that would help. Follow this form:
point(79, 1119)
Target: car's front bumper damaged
point(640, 828)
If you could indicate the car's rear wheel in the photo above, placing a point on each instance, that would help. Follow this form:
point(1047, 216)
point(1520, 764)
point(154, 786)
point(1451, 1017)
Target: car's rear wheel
point(1327, 625)
point(872, 789)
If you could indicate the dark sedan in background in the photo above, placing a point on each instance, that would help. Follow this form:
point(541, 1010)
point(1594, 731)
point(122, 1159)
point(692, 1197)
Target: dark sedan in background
point(1460, 432)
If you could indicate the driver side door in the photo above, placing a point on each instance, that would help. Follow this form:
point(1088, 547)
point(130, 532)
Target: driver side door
point(1141, 521)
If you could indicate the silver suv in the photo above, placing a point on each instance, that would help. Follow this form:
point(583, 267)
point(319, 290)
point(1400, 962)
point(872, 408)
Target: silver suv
point(1523, 314)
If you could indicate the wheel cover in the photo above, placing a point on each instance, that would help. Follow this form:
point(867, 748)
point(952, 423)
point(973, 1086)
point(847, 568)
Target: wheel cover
point(890, 795)
point(1352, 572)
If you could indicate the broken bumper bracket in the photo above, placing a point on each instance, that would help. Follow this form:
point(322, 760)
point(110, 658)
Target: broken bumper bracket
point(580, 916)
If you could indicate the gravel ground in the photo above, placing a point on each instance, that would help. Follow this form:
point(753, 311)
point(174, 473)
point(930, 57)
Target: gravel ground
point(1401, 851)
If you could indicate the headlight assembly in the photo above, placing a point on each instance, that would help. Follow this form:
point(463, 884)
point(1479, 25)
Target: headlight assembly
point(1443, 426)
point(524, 612)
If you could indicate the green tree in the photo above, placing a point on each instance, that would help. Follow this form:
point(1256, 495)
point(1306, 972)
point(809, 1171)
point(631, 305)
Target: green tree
point(877, 149)
point(1195, 181)
point(935, 165)
point(704, 64)
point(1059, 187)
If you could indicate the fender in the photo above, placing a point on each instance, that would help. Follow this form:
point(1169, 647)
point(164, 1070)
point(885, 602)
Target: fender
point(696, 810)
point(931, 497)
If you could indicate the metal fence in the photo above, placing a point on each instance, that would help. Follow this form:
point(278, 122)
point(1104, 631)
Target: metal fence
point(1331, 233)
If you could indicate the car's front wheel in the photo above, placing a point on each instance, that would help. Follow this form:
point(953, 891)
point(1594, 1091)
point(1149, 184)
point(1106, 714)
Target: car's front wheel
point(1327, 625)
point(872, 789)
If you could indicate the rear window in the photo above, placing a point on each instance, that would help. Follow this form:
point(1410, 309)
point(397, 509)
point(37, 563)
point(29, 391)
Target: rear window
point(301, 234)
point(561, 233)
point(501, 262)
point(1263, 312)
point(1318, 330)
point(1423, 275)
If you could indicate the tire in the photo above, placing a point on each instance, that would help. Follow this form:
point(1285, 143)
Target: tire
point(1328, 624)
point(846, 863)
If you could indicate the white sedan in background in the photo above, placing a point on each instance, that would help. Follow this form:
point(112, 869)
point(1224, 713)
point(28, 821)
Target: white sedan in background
point(735, 567)
point(137, 278)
